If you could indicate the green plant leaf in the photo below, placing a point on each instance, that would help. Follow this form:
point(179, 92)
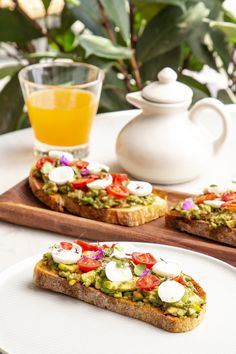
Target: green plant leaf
point(220, 45)
point(9, 70)
point(11, 105)
point(46, 4)
point(67, 39)
point(179, 3)
point(151, 68)
point(226, 96)
point(87, 12)
point(15, 28)
point(199, 90)
point(103, 47)
point(168, 29)
point(228, 28)
point(118, 12)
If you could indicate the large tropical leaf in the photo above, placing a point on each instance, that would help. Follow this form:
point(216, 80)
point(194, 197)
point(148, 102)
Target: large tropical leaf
point(168, 29)
point(103, 47)
point(87, 12)
point(11, 105)
point(118, 12)
point(14, 27)
point(228, 28)
point(151, 68)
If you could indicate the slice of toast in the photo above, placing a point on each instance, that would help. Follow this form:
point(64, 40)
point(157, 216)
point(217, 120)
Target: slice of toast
point(131, 216)
point(47, 279)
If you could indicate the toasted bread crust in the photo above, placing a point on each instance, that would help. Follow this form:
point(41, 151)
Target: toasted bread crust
point(201, 228)
point(132, 216)
point(47, 279)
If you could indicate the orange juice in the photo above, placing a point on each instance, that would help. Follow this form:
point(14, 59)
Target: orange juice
point(61, 116)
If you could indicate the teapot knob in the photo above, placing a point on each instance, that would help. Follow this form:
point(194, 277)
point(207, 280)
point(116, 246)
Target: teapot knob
point(167, 75)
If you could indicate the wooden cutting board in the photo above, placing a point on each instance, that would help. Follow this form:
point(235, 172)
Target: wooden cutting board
point(19, 206)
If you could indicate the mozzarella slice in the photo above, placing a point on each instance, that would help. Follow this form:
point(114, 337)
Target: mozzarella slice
point(100, 183)
point(61, 175)
point(167, 269)
point(171, 291)
point(123, 250)
point(115, 273)
point(96, 167)
point(139, 188)
point(57, 154)
point(214, 203)
point(60, 255)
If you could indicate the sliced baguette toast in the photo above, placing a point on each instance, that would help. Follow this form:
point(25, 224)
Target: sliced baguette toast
point(200, 228)
point(132, 216)
point(48, 279)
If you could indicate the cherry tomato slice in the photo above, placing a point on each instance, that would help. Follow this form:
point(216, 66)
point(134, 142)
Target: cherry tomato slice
point(118, 178)
point(86, 264)
point(86, 246)
point(228, 196)
point(117, 191)
point(80, 164)
point(144, 258)
point(148, 282)
point(66, 245)
point(83, 181)
point(180, 280)
point(41, 162)
point(208, 196)
point(230, 205)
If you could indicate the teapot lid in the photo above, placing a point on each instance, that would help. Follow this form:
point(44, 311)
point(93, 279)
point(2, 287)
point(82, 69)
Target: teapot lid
point(167, 89)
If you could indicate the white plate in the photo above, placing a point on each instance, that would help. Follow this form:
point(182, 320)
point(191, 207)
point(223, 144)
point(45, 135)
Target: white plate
point(35, 321)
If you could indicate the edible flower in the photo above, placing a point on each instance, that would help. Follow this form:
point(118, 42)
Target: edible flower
point(84, 172)
point(188, 204)
point(98, 255)
point(64, 161)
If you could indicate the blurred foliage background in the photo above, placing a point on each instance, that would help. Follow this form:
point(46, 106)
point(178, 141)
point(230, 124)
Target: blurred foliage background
point(131, 40)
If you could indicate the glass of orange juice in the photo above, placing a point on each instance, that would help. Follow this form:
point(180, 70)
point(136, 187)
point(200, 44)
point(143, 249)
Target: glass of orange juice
point(62, 100)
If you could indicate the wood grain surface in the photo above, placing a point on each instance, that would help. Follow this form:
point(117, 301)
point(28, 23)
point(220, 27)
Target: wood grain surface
point(19, 206)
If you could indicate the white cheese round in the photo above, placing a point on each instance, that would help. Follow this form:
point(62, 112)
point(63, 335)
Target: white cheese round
point(214, 188)
point(123, 250)
point(60, 255)
point(100, 183)
point(115, 273)
point(61, 175)
point(58, 154)
point(96, 167)
point(214, 203)
point(171, 291)
point(167, 269)
point(139, 188)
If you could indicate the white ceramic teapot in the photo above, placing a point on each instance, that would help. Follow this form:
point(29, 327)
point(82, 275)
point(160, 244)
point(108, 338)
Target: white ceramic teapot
point(165, 143)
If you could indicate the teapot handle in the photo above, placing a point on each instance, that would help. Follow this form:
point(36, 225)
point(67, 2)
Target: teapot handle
point(217, 106)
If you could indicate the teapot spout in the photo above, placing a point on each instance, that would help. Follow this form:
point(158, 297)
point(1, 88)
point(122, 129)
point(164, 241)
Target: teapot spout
point(136, 99)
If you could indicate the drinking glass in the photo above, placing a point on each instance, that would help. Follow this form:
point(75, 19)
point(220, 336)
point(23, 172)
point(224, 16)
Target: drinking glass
point(62, 101)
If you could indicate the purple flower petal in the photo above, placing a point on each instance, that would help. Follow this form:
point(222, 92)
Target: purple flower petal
point(188, 204)
point(64, 161)
point(84, 172)
point(145, 272)
point(98, 254)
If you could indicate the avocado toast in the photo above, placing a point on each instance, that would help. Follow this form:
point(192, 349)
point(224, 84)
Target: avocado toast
point(211, 215)
point(89, 190)
point(125, 281)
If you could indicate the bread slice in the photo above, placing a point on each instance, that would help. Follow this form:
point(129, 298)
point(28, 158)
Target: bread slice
point(132, 216)
point(47, 279)
point(201, 228)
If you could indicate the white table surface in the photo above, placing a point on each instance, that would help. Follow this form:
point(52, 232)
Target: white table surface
point(16, 158)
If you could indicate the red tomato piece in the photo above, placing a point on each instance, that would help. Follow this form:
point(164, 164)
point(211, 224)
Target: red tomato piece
point(80, 164)
point(230, 205)
point(117, 191)
point(118, 178)
point(86, 264)
point(208, 196)
point(86, 246)
point(83, 181)
point(228, 196)
point(144, 258)
point(148, 282)
point(66, 245)
point(41, 162)
point(180, 280)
